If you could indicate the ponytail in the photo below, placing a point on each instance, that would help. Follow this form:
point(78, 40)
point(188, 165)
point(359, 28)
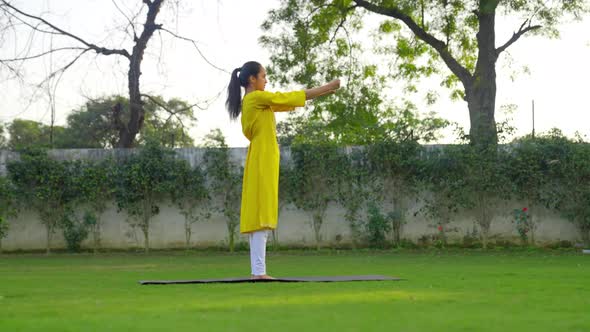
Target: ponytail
point(233, 104)
point(234, 95)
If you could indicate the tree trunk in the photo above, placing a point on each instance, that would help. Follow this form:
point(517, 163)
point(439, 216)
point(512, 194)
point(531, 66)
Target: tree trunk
point(354, 233)
point(136, 112)
point(485, 233)
point(481, 104)
point(49, 231)
point(231, 237)
point(275, 239)
point(484, 218)
point(96, 233)
point(187, 232)
point(232, 224)
point(128, 132)
point(317, 225)
point(480, 94)
point(146, 235)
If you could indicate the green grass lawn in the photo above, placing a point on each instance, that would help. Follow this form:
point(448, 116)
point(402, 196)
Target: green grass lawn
point(444, 291)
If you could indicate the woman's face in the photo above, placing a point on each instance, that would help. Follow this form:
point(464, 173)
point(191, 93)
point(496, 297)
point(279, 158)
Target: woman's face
point(259, 82)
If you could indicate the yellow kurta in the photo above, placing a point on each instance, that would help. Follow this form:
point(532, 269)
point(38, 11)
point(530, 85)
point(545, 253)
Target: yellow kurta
point(260, 189)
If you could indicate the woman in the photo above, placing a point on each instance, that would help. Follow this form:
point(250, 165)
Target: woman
point(259, 209)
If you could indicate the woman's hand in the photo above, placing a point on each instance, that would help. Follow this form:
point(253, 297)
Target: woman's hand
point(335, 84)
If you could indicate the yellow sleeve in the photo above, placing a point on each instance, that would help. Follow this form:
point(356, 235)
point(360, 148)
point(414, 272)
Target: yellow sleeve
point(280, 101)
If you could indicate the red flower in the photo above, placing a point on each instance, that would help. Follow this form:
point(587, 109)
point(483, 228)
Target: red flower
point(439, 228)
point(525, 209)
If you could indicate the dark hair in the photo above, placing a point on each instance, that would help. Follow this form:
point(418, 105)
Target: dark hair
point(234, 90)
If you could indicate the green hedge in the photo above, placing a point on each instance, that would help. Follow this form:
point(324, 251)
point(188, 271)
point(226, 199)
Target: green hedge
point(374, 184)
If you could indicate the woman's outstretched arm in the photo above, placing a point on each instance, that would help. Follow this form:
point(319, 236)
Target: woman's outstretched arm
point(323, 90)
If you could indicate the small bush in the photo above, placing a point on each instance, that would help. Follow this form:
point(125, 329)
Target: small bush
point(376, 227)
point(74, 232)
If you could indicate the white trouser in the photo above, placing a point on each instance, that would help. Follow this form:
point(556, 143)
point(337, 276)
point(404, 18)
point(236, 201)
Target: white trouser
point(258, 252)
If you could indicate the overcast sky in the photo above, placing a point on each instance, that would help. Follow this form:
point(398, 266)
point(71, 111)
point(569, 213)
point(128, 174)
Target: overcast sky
point(227, 32)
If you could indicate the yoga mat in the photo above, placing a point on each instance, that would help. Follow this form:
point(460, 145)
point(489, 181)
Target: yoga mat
point(285, 279)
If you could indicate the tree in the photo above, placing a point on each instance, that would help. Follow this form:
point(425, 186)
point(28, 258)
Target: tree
point(165, 122)
point(352, 188)
point(97, 187)
point(569, 173)
point(144, 181)
point(285, 192)
point(394, 178)
point(74, 46)
point(190, 195)
point(418, 36)
point(391, 123)
point(529, 170)
point(46, 185)
point(8, 206)
point(28, 134)
point(226, 182)
point(91, 126)
point(376, 226)
point(360, 113)
point(442, 177)
point(313, 181)
point(484, 184)
point(24, 133)
point(353, 116)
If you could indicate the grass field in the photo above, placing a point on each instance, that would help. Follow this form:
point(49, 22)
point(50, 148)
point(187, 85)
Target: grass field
point(444, 291)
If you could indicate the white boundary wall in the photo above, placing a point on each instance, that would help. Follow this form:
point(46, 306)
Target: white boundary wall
point(167, 228)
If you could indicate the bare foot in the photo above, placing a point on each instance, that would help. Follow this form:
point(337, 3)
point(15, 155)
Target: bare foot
point(263, 276)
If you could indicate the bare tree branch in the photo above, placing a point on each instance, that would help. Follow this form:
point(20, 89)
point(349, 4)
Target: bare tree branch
point(42, 54)
point(171, 113)
point(34, 27)
point(167, 109)
point(128, 20)
point(12, 69)
point(196, 47)
point(515, 36)
point(127, 127)
point(342, 21)
point(97, 49)
point(64, 68)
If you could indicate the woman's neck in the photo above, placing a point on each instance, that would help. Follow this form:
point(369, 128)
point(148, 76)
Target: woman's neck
point(250, 89)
